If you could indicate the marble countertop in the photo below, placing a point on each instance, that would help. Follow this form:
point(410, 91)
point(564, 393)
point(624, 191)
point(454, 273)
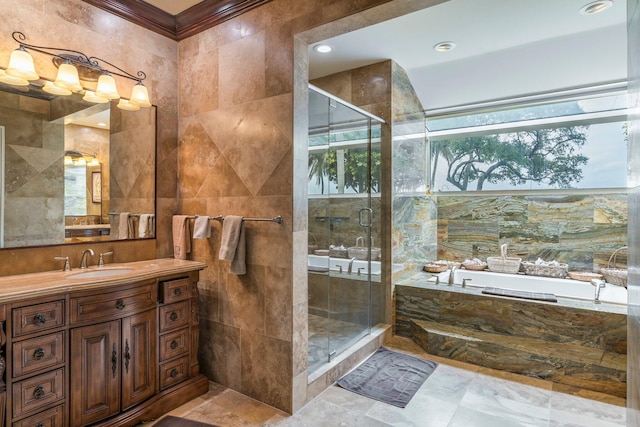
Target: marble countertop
point(21, 286)
point(86, 226)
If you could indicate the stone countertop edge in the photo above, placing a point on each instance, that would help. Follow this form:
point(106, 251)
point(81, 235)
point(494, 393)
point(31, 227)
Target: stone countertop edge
point(420, 280)
point(31, 285)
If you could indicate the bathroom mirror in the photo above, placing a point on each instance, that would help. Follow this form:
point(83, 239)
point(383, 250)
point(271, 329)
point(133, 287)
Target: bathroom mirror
point(73, 171)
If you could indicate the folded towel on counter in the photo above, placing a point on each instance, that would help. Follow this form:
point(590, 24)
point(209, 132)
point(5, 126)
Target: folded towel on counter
point(232, 245)
point(201, 227)
point(123, 225)
point(181, 238)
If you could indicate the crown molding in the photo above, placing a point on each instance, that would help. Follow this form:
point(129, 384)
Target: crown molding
point(197, 18)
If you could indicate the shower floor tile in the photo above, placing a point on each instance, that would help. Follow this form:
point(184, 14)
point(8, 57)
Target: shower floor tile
point(319, 329)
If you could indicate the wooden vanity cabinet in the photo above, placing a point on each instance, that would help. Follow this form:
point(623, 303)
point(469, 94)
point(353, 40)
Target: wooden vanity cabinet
point(112, 356)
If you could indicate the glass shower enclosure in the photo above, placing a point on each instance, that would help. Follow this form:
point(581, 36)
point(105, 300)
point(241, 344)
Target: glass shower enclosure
point(343, 223)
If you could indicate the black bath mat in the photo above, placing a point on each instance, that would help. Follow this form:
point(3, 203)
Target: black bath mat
point(170, 421)
point(389, 377)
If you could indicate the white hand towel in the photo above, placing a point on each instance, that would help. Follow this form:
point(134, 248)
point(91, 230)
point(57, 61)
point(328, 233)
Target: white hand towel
point(143, 225)
point(123, 225)
point(181, 238)
point(232, 245)
point(202, 227)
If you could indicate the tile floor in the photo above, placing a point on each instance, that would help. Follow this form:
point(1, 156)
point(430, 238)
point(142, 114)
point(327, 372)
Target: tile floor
point(455, 395)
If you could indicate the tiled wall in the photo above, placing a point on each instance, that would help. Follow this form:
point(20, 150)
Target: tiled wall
point(582, 230)
point(34, 176)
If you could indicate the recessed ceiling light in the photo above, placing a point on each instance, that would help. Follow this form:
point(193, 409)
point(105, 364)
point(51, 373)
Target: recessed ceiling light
point(596, 7)
point(323, 48)
point(444, 46)
point(102, 124)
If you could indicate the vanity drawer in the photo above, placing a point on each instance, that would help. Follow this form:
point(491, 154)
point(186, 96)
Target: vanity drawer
point(113, 304)
point(175, 290)
point(37, 392)
point(174, 315)
point(53, 417)
point(174, 344)
point(38, 353)
point(37, 317)
point(173, 372)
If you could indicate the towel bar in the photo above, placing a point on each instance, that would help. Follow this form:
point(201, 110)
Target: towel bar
point(220, 218)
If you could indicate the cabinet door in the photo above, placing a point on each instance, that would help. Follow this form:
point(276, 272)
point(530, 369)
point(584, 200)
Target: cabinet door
point(138, 358)
point(95, 363)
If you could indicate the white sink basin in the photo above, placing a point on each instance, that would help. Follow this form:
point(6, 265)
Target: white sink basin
point(94, 274)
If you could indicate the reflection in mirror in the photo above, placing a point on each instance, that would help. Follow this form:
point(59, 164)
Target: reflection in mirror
point(49, 143)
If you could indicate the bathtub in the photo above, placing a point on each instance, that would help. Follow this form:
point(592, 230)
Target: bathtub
point(565, 288)
point(324, 263)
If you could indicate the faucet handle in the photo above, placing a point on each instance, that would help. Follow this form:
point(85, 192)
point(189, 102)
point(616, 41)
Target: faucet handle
point(464, 282)
point(67, 265)
point(101, 259)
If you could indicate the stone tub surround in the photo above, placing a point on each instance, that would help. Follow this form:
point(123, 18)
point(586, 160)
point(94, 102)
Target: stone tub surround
point(573, 344)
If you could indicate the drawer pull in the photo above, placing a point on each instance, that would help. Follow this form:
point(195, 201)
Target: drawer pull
point(174, 373)
point(127, 356)
point(39, 425)
point(120, 304)
point(114, 360)
point(173, 316)
point(174, 344)
point(39, 319)
point(38, 354)
point(38, 393)
point(177, 292)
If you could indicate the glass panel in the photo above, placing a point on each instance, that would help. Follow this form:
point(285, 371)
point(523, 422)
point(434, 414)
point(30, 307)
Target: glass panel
point(340, 184)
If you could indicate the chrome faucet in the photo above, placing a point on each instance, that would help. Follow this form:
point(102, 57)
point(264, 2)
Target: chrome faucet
point(83, 260)
point(350, 269)
point(451, 275)
point(599, 284)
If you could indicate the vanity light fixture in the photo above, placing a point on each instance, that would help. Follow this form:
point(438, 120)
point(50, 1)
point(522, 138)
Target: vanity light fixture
point(79, 158)
point(74, 66)
point(596, 7)
point(444, 46)
point(323, 48)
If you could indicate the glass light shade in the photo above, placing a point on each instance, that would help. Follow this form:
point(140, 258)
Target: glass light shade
point(21, 65)
point(140, 95)
point(80, 162)
point(10, 80)
point(67, 77)
point(107, 87)
point(90, 96)
point(49, 87)
point(93, 162)
point(123, 104)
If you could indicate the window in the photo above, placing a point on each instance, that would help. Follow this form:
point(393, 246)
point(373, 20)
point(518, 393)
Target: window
point(565, 144)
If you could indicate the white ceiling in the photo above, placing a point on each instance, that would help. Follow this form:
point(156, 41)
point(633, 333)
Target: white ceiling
point(505, 48)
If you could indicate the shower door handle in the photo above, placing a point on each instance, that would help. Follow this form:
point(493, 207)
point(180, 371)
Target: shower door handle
point(369, 212)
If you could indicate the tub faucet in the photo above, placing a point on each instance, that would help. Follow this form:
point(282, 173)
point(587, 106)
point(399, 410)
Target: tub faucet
point(351, 265)
point(83, 260)
point(451, 275)
point(599, 284)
